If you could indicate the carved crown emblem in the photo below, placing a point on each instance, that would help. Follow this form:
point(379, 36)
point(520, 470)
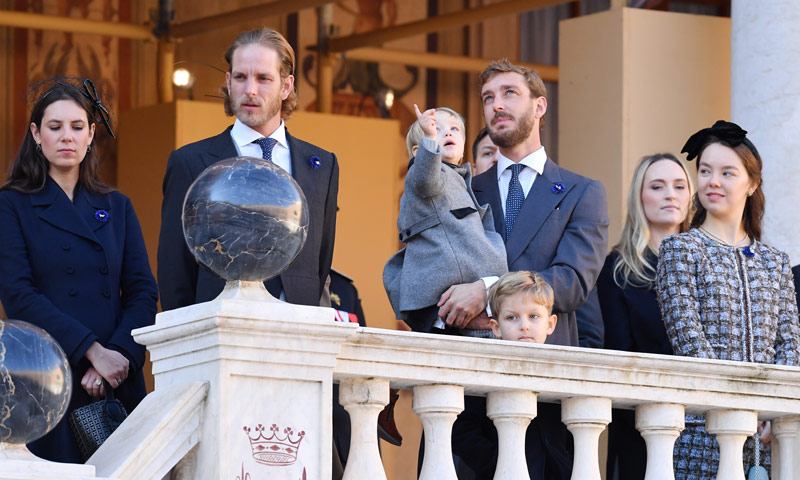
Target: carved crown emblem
point(275, 449)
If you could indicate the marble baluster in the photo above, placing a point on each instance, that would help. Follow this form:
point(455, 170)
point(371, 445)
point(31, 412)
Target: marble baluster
point(784, 430)
point(437, 407)
point(731, 427)
point(586, 418)
point(512, 412)
point(660, 424)
point(364, 399)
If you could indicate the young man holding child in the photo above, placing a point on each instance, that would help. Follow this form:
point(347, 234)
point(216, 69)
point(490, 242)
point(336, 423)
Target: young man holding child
point(554, 222)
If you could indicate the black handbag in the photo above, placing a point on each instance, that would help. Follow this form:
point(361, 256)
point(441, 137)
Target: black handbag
point(94, 423)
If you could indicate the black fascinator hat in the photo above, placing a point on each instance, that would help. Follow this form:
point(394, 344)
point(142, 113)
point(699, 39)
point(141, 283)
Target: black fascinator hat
point(83, 86)
point(727, 133)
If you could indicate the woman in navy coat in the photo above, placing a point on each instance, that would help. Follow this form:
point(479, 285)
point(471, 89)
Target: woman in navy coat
point(73, 260)
point(658, 206)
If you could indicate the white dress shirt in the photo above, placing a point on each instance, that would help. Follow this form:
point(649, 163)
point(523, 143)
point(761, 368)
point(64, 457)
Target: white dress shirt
point(243, 137)
point(535, 161)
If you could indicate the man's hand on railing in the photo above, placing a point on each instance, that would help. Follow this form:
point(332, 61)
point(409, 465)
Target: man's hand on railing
point(462, 303)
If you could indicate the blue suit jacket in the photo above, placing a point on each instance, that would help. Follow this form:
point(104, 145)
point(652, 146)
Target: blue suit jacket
point(562, 236)
point(80, 279)
point(180, 279)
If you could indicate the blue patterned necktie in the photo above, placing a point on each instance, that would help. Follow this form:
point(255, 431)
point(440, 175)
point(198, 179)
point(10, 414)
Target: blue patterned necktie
point(266, 145)
point(514, 199)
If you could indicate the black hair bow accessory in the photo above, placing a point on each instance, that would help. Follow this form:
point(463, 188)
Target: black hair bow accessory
point(100, 111)
point(728, 132)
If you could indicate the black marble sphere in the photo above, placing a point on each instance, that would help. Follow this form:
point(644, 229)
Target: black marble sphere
point(245, 219)
point(35, 382)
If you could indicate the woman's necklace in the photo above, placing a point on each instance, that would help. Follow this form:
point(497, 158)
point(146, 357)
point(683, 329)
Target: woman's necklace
point(741, 242)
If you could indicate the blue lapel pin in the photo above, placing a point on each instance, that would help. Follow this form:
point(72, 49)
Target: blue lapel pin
point(315, 162)
point(558, 187)
point(748, 253)
point(101, 216)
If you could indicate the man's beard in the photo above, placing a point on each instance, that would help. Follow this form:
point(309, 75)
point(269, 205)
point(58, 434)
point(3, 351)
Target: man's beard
point(511, 138)
point(259, 117)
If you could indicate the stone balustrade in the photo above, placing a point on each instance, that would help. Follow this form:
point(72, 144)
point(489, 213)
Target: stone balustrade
point(257, 376)
point(587, 383)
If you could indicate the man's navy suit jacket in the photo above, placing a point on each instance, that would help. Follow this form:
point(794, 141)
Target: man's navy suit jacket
point(561, 233)
point(182, 282)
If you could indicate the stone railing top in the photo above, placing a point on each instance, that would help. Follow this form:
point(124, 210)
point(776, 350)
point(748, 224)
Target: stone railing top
point(555, 372)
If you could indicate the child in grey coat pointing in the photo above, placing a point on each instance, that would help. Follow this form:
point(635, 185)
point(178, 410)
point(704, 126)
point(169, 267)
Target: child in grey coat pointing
point(450, 238)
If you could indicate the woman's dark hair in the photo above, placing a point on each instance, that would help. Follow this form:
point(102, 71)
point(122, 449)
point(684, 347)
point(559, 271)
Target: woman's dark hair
point(28, 173)
point(754, 207)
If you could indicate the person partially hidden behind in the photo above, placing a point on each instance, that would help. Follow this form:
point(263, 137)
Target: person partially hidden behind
point(259, 90)
point(450, 238)
point(522, 309)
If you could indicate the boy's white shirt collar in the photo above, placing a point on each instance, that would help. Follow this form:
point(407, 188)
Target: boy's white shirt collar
point(243, 135)
point(534, 160)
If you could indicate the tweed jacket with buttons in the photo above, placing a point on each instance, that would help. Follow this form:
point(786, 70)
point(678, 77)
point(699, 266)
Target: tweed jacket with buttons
point(724, 303)
point(450, 239)
point(728, 303)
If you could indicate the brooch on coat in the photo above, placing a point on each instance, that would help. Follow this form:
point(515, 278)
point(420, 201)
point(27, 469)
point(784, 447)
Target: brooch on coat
point(101, 216)
point(747, 252)
point(558, 187)
point(315, 162)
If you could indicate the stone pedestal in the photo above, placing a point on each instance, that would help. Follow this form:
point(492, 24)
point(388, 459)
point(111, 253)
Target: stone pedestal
point(765, 64)
point(269, 366)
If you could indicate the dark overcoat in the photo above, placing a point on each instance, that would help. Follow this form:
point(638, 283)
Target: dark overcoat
point(79, 270)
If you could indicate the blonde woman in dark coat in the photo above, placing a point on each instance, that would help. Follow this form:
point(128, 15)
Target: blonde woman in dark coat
point(659, 204)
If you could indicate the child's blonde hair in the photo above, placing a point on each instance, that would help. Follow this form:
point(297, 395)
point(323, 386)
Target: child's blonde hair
point(415, 133)
point(524, 282)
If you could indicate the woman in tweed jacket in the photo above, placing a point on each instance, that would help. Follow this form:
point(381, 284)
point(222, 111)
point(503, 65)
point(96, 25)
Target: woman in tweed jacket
point(723, 293)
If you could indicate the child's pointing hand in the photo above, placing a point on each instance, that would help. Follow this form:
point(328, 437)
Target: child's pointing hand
point(427, 121)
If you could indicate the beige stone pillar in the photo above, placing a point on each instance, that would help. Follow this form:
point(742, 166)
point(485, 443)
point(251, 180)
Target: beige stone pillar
point(635, 82)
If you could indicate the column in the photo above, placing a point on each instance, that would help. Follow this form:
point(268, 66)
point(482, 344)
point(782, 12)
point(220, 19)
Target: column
point(586, 418)
point(660, 424)
point(784, 430)
point(765, 101)
point(364, 399)
point(511, 412)
point(437, 407)
point(731, 427)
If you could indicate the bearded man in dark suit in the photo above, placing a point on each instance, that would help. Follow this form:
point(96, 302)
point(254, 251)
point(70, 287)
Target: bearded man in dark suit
point(554, 222)
point(259, 90)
